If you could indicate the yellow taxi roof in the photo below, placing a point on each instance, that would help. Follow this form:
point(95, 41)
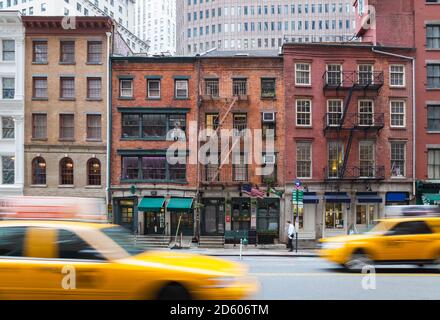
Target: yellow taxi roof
point(412, 218)
point(56, 223)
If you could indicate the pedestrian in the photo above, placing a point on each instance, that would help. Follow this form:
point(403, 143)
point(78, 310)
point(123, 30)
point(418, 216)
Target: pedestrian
point(290, 235)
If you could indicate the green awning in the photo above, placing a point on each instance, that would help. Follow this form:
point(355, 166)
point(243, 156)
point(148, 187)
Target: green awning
point(431, 198)
point(180, 204)
point(151, 204)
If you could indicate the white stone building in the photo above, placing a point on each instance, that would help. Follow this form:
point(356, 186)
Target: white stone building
point(122, 11)
point(249, 25)
point(11, 103)
point(155, 21)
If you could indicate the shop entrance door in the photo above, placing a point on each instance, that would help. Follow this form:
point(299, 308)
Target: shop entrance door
point(153, 223)
point(126, 214)
point(186, 226)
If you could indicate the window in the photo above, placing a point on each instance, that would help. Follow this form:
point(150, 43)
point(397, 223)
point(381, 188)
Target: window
point(434, 117)
point(239, 169)
point(8, 168)
point(39, 52)
point(239, 87)
point(8, 88)
point(304, 160)
point(66, 171)
point(397, 75)
point(67, 52)
point(397, 111)
point(268, 88)
point(67, 88)
point(94, 88)
point(365, 214)
point(334, 74)
point(366, 159)
point(410, 228)
point(434, 164)
point(334, 109)
point(212, 122)
point(334, 216)
point(433, 72)
point(152, 168)
point(94, 127)
point(39, 126)
point(94, 52)
point(39, 88)
point(181, 89)
point(398, 155)
point(335, 158)
point(12, 241)
point(366, 109)
point(8, 131)
point(268, 125)
point(302, 74)
point(239, 123)
point(126, 88)
point(8, 50)
point(94, 172)
point(67, 127)
point(153, 89)
point(38, 171)
point(212, 88)
point(71, 246)
point(433, 36)
point(303, 112)
point(151, 126)
point(365, 74)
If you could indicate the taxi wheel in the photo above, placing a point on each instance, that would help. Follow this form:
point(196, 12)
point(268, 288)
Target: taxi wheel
point(173, 292)
point(357, 261)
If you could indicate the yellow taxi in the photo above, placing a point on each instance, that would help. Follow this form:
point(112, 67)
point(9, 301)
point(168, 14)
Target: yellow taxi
point(81, 260)
point(403, 240)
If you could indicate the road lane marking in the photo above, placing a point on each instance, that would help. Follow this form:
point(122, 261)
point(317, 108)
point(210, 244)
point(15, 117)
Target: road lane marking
point(311, 274)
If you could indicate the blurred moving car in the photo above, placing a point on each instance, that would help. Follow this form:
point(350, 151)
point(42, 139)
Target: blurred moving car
point(402, 240)
point(42, 259)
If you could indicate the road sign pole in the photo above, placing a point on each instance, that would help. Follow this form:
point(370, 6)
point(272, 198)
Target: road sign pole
point(297, 216)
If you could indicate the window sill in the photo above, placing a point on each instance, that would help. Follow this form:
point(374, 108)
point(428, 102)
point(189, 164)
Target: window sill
point(176, 98)
point(126, 98)
point(432, 49)
point(94, 99)
point(67, 99)
point(8, 61)
point(93, 187)
point(397, 87)
point(433, 132)
point(432, 89)
point(153, 98)
point(398, 178)
point(268, 98)
point(38, 186)
point(398, 128)
point(38, 139)
point(303, 127)
point(66, 186)
point(147, 139)
point(94, 63)
point(40, 99)
point(66, 140)
point(93, 140)
point(67, 63)
point(40, 63)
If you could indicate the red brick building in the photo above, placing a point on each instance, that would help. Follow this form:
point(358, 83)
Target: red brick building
point(348, 134)
point(414, 24)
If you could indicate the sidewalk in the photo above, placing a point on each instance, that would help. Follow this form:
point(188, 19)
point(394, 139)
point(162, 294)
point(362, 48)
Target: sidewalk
point(250, 252)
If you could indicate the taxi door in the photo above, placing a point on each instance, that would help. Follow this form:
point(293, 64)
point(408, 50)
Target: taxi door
point(407, 241)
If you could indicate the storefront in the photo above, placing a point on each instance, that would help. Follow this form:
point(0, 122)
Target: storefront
point(431, 198)
point(241, 214)
point(397, 199)
point(367, 210)
point(126, 213)
point(152, 215)
point(268, 219)
point(182, 216)
point(337, 204)
point(213, 217)
point(427, 192)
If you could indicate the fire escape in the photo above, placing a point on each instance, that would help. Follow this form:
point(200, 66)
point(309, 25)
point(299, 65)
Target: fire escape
point(343, 125)
point(221, 106)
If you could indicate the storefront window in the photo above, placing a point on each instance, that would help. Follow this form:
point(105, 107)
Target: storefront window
point(365, 214)
point(268, 215)
point(334, 217)
point(299, 212)
point(241, 214)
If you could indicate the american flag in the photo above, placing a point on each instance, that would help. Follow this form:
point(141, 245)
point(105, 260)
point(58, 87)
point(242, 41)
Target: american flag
point(252, 191)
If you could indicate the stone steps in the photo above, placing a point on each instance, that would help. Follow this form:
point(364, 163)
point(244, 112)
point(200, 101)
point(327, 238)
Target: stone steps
point(211, 242)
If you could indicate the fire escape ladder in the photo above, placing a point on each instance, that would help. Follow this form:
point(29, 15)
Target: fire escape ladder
point(347, 101)
point(347, 154)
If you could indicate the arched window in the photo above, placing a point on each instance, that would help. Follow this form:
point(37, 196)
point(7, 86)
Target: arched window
point(94, 172)
point(38, 171)
point(66, 171)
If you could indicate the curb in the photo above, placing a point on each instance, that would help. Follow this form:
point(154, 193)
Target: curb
point(263, 255)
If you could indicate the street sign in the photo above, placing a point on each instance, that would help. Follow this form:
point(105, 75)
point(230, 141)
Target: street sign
point(298, 183)
point(298, 196)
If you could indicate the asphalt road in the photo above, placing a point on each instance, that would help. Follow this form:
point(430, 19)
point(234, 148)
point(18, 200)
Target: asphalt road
point(313, 278)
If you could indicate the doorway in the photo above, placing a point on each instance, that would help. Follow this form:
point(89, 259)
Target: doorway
point(126, 214)
point(213, 217)
point(154, 222)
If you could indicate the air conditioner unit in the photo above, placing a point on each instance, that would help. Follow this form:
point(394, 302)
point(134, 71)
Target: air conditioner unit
point(268, 116)
point(269, 159)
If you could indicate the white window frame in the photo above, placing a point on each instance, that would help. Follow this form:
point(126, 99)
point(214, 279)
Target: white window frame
point(175, 88)
point(149, 96)
point(296, 113)
point(403, 176)
point(340, 71)
point(309, 71)
point(404, 76)
point(372, 71)
point(311, 160)
point(391, 113)
point(121, 90)
point(328, 111)
point(373, 146)
point(1, 50)
point(7, 76)
point(372, 112)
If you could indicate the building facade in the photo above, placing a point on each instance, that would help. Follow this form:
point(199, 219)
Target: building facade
point(155, 23)
point(66, 106)
point(11, 103)
point(348, 134)
point(417, 25)
point(121, 11)
point(233, 25)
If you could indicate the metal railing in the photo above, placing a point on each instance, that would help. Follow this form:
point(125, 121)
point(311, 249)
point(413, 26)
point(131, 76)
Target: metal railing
point(354, 120)
point(347, 79)
point(356, 172)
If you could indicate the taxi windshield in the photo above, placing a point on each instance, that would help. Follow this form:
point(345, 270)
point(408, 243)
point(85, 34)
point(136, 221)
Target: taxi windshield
point(124, 239)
